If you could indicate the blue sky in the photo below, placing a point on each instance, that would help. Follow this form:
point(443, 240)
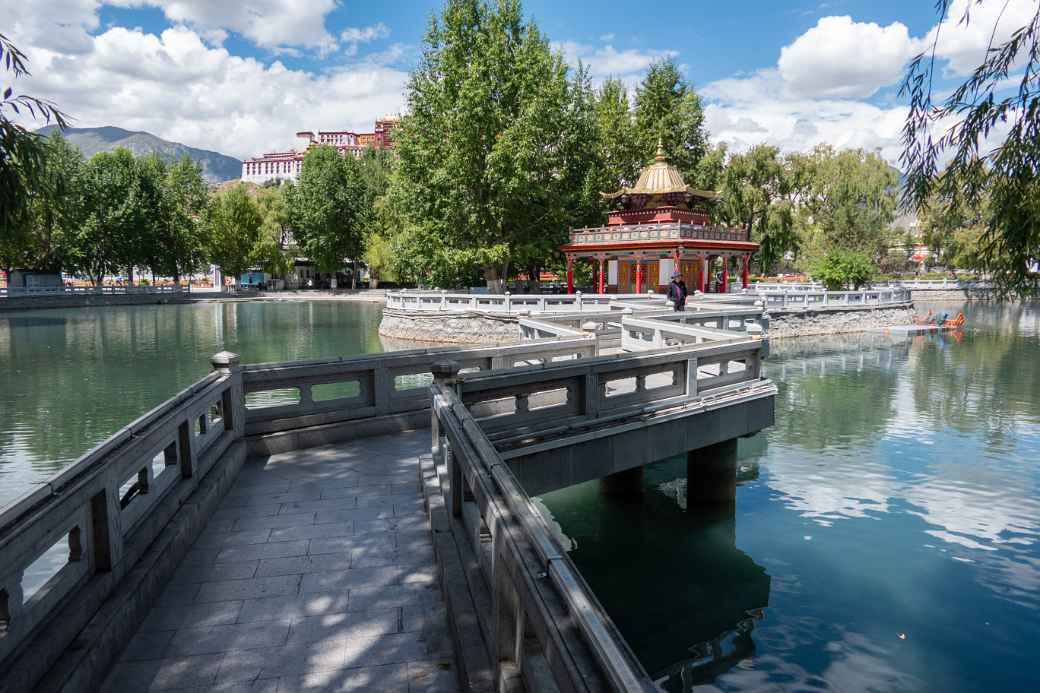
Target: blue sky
point(241, 77)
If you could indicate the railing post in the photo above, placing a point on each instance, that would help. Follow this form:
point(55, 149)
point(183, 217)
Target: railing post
point(102, 534)
point(233, 399)
point(445, 374)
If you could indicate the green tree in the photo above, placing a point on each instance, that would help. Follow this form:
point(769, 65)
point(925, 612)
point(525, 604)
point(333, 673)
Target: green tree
point(151, 215)
point(105, 241)
point(851, 197)
point(756, 194)
point(668, 110)
point(620, 150)
point(233, 230)
point(38, 240)
point(841, 268)
point(485, 164)
point(324, 208)
point(181, 239)
point(1000, 101)
point(379, 258)
point(275, 231)
point(21, 161)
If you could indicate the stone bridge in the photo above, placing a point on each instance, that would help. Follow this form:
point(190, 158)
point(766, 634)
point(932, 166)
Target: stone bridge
point(366, 522)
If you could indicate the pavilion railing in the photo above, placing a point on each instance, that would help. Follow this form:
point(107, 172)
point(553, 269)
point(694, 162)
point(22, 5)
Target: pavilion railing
point(655, 232)
point(434, 301)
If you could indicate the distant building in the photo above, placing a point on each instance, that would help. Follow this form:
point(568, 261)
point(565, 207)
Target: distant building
point(287, 165)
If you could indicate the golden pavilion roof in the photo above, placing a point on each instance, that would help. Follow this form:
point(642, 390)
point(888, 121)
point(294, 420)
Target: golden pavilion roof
point(660, 178)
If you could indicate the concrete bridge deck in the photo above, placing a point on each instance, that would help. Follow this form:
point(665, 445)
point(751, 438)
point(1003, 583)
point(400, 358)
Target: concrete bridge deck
point(315, 573)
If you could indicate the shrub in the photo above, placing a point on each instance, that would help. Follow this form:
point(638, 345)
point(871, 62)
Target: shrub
point(839, 269)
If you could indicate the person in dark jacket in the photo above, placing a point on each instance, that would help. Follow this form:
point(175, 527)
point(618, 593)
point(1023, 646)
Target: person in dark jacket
point(677, 291)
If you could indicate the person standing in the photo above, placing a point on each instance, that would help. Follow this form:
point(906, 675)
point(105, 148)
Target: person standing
point(677, 291)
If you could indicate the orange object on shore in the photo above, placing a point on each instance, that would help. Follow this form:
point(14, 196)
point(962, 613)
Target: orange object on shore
point(955, 322)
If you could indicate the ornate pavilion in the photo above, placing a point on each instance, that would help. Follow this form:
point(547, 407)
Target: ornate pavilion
point(659, 225)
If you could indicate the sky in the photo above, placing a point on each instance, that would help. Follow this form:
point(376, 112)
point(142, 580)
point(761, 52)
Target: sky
point(241, 77)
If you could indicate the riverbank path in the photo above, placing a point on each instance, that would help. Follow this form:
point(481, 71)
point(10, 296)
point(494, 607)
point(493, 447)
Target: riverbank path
point(316, 573)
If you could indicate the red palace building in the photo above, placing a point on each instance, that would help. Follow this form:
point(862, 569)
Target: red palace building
point(288, 164)
point(659, 225)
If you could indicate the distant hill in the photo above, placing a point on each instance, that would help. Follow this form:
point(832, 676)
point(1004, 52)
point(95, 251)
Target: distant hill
point(216, 167)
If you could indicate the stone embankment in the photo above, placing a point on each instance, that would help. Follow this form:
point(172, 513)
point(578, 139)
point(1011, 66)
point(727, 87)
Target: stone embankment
point(952, 295)
point(88, 300)
point(813, 323)
point(450, 328)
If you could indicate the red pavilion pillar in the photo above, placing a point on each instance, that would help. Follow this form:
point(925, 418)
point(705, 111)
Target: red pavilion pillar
point(744, 272)
point(725, 275)
point(602, 275)
point(639, 275)
point(702, 275)
point(570, 274)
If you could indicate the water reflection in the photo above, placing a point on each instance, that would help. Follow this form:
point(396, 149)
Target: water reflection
point(894, 515)
point(70, 378)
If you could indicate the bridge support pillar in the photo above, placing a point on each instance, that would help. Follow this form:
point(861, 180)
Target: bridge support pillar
point(626, 483)
point(711, 474)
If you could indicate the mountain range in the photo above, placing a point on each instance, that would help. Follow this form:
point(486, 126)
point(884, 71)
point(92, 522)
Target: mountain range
point(216, 167)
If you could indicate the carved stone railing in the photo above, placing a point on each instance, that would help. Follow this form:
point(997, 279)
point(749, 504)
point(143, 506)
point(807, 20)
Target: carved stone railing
point(914, 284)
point(66, 546)
point(545, 629)
point(655, 232)
point(834, 300)
point(434, 301)
point(44, 291)
point(589, 388)
point(646, 335)
point(324, 394)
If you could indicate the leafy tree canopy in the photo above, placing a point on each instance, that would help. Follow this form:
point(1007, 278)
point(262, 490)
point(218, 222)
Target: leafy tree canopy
point(233, 229)
point(840, 269)
point(983, 140)
point(325, 208)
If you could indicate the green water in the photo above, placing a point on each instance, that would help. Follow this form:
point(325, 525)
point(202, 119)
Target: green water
point(885, 532)
point(70, 378)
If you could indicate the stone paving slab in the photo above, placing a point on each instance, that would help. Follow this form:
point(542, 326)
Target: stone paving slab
point(315, 574)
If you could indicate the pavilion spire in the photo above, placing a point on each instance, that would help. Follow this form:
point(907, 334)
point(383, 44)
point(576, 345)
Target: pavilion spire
point(660, 156)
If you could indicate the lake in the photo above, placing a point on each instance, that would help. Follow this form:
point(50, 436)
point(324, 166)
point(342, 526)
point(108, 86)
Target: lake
point(885, 532)
point(69, 378)
point(884, 537)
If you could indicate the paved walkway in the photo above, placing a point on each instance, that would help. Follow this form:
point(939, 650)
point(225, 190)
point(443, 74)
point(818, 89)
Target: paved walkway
point(315, 574)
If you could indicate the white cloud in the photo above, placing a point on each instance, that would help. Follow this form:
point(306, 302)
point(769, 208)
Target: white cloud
point(762, 108)
point(352, 37)
point(842, 58)
point(353, 34)
point(178, 87)
point(268, 23)
point(963, 45)
point(63, 25)
point(606, 61)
